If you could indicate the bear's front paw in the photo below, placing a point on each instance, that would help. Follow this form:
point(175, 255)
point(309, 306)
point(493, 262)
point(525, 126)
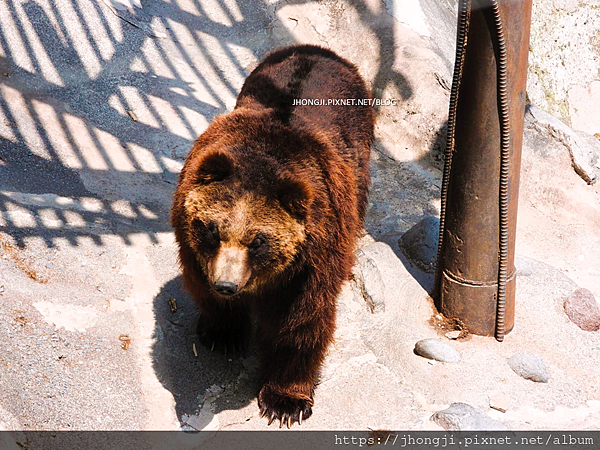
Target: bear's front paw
point(288, 408)
point(229, 339)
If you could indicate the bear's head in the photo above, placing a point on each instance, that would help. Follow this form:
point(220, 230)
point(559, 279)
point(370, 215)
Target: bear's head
point(245, 226)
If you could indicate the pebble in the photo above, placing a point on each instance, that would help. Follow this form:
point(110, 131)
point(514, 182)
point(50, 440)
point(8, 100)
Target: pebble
point(463, 417)
point(453, 334)
point(420, 243)
point(583, 310)
point(499, 401)
point(530, 367)
point(436, 349)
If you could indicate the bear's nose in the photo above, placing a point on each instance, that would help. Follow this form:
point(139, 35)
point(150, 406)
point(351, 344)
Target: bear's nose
point(226, 287)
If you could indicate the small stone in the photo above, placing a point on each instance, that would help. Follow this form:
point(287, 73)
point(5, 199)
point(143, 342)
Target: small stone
point(463, 417)
point(583, 310)
point(530, 367)
point(453, 334)
point(420, 243)
point(436, 349)
point(499, 401)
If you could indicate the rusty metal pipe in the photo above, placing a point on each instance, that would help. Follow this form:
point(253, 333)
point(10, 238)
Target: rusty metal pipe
point(476, 254)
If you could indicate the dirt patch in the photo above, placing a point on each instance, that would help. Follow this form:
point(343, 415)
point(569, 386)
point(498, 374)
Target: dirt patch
point(11, 252)
point(444, 325)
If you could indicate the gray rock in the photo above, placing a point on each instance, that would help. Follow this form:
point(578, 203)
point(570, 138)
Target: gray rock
point(420, 243)
point(436, 349)
point(463, 417)
point(370, 282)
point(530, 367)
point(583, 310)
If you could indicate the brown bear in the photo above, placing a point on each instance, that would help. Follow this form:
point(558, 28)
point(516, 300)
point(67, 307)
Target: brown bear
point(269, 205)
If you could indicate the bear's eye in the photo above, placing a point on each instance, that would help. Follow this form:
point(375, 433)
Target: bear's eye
point(213, 229)
point(206, 232)
point(258, 242)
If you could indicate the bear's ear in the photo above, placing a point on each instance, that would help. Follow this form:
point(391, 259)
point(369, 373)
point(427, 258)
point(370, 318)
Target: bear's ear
point(214, 166)
point(295, 195)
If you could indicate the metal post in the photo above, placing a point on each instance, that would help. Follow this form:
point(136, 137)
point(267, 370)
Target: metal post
point(475, 279)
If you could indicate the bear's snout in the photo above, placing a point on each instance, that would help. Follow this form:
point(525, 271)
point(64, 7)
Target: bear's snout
point(225, 287)
point(230, 270)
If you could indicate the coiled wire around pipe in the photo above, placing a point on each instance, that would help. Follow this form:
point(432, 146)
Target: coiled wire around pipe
point(504, 172)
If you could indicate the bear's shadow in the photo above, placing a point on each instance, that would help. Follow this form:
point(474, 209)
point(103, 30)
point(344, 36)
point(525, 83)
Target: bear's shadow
point(186, 368)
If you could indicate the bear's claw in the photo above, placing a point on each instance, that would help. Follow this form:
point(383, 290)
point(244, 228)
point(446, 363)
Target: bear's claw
point(286, 409)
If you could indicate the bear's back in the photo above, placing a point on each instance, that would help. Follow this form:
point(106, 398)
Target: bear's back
point(310, 86)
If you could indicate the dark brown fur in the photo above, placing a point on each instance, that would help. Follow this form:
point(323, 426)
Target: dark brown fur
point(297, 177)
